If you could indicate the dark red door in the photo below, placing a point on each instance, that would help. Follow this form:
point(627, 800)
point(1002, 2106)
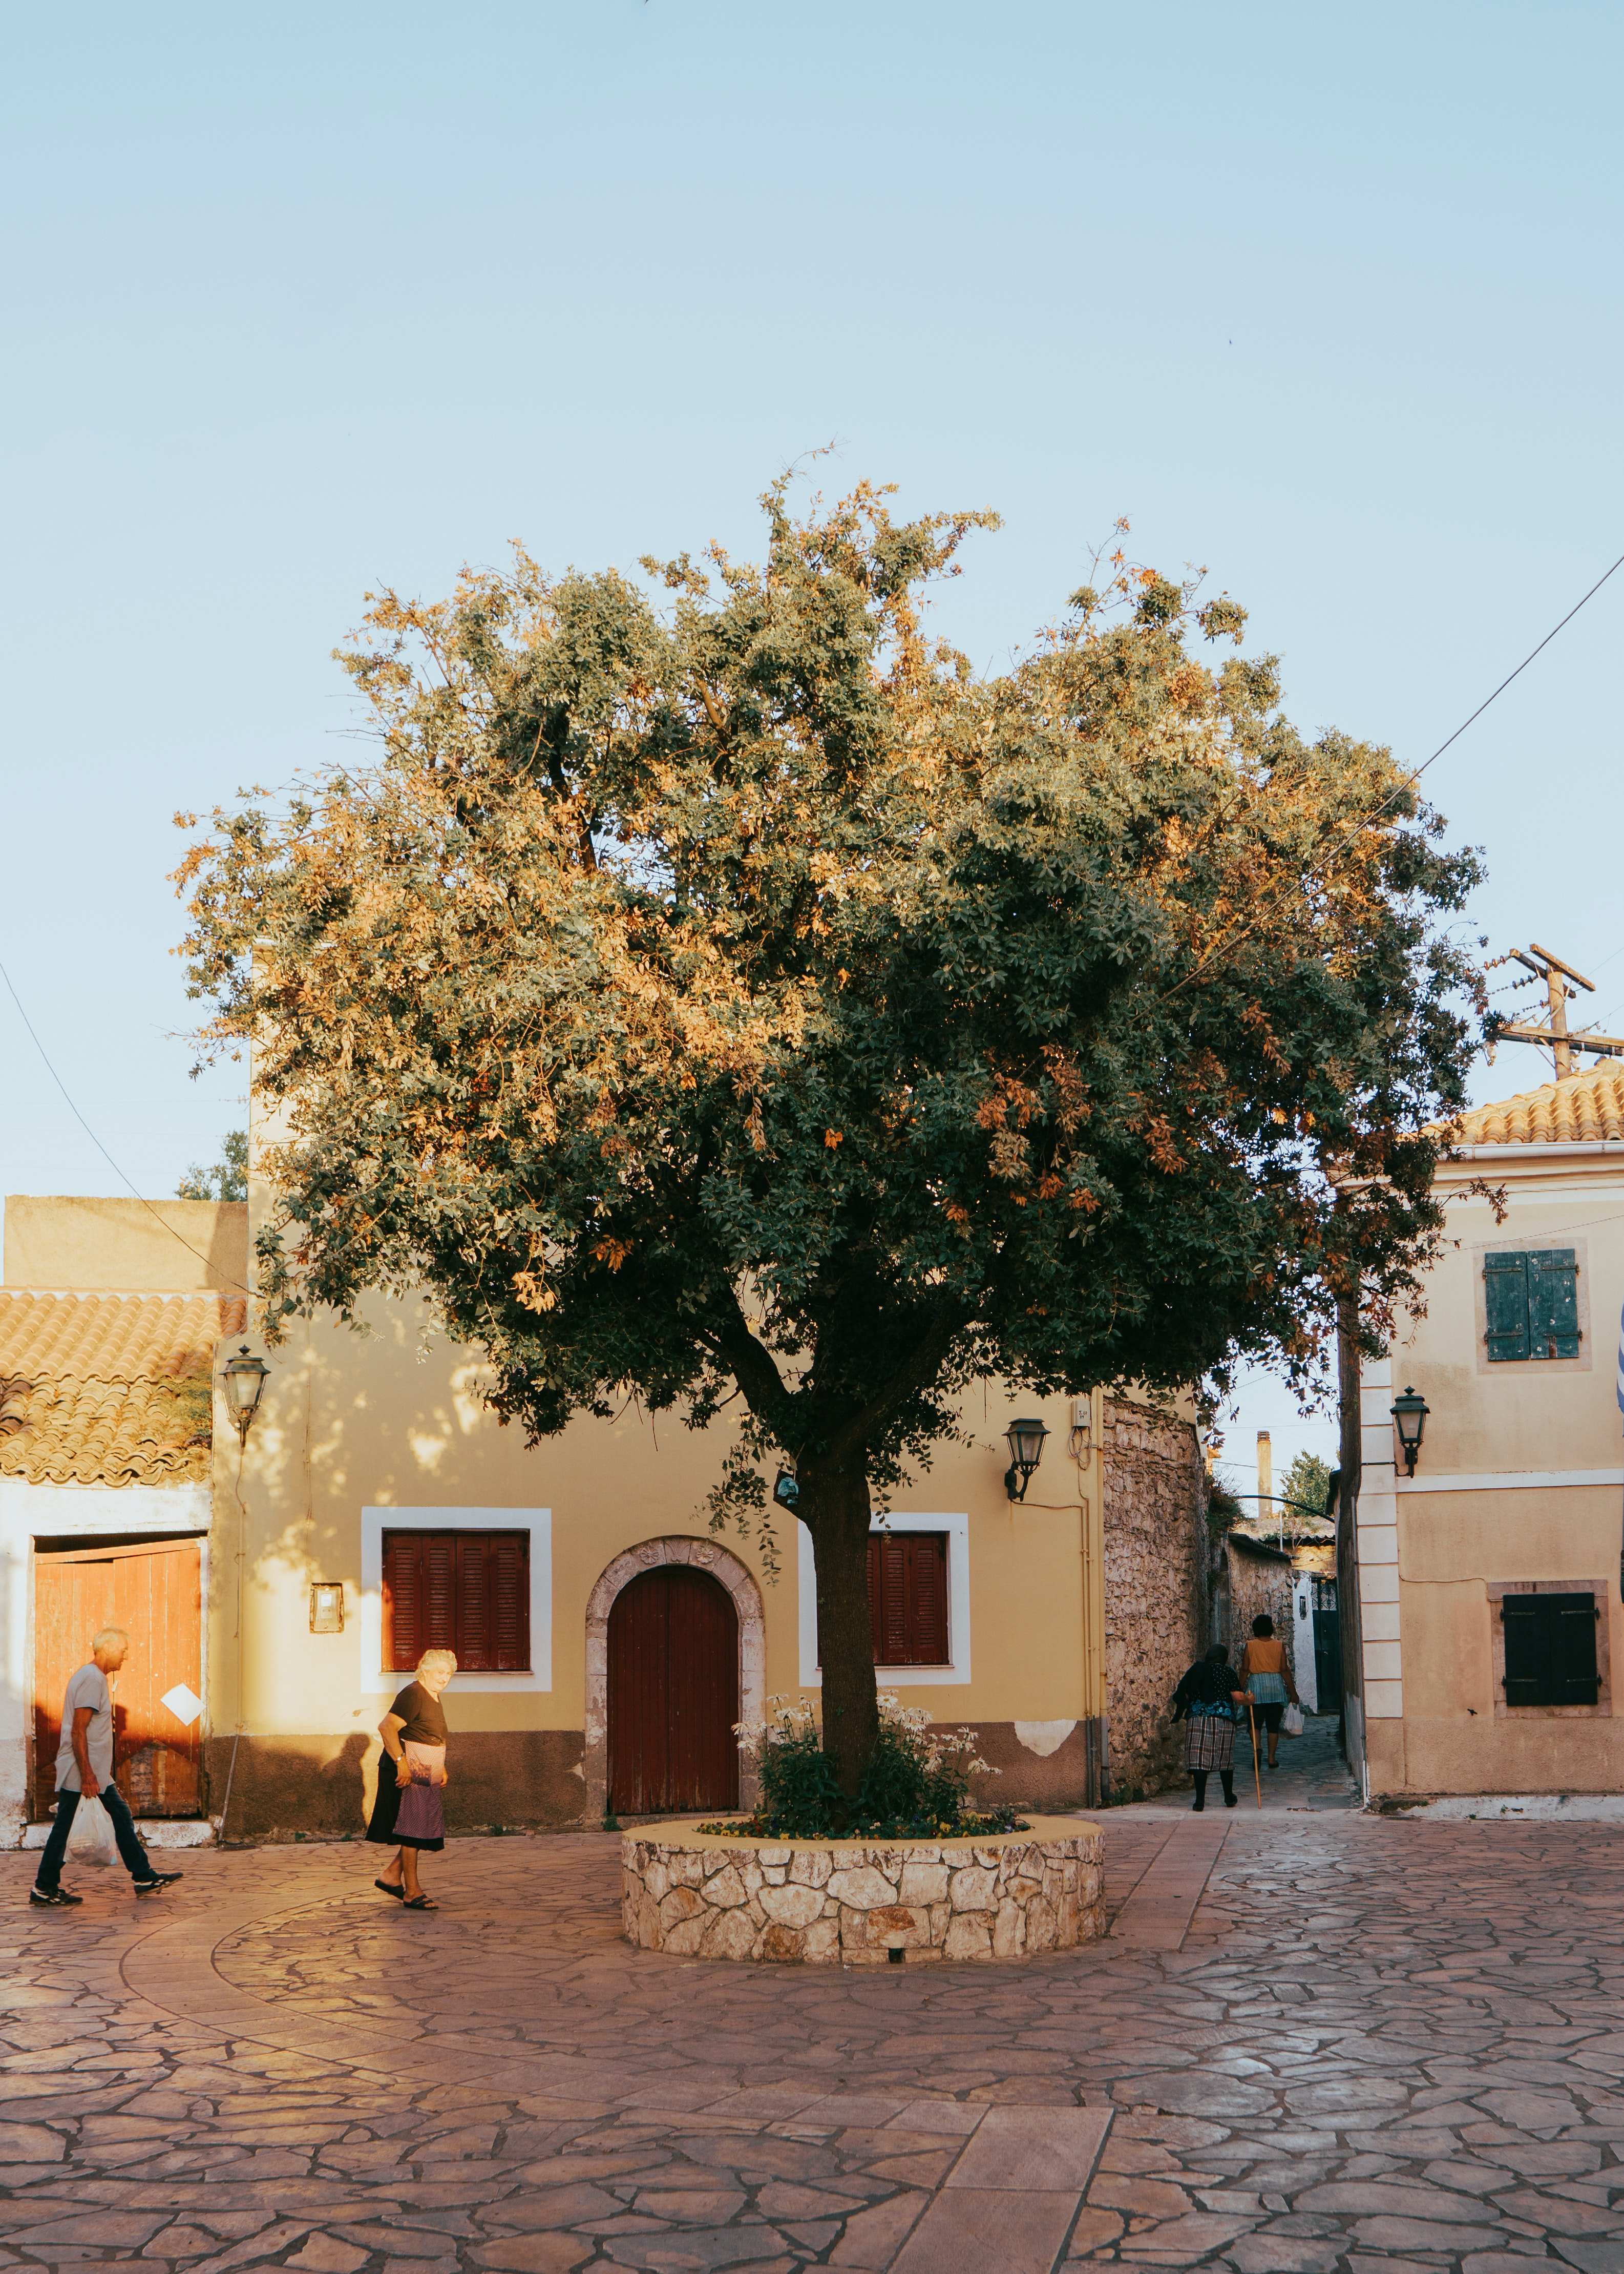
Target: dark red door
point(673, 1695)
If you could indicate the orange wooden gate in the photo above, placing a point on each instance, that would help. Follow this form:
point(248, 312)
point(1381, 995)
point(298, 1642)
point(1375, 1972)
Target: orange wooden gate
point(152, 1588)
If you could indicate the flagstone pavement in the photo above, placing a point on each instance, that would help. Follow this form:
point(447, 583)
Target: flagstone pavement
point(1382, 2044)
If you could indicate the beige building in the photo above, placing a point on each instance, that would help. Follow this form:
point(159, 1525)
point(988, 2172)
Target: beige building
point(1488, 1612)
point(283, 1587)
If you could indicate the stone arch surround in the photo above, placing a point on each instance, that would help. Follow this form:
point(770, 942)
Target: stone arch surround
point(705, 1556)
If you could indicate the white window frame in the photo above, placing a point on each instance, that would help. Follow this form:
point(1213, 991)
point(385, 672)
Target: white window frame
point(375, 1681)
point(897, 1677)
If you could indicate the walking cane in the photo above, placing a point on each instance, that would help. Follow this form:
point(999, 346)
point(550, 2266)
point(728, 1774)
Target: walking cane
point(1256, 1773)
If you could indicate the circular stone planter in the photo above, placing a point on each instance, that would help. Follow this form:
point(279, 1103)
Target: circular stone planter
point(856, 1902)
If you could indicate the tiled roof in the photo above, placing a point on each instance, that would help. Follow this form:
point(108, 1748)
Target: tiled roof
point(109, 1390)
point(1576, 1111)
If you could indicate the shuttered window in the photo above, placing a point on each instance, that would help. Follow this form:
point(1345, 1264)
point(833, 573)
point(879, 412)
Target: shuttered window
point(1532, 1303)
point(469, 1592)
point(907, 1597)
point(1551, 1649)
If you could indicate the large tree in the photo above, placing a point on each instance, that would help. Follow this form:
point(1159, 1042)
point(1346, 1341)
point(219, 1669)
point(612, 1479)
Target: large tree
point(735, 995)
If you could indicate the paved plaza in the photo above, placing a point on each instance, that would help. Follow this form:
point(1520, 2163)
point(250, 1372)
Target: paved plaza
point(1316, 2040)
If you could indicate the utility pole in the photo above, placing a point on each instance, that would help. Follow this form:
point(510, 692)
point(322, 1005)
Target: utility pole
point(1266, 1478)
point(1554, 1036)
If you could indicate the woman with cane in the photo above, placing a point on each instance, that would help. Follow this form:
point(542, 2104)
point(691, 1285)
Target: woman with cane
point(1207, 1699)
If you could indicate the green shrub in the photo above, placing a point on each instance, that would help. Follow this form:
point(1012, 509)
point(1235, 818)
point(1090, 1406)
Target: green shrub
point(916, 1786)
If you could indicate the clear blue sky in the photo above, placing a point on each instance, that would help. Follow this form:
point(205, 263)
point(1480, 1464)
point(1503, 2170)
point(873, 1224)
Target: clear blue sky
point(305, 298)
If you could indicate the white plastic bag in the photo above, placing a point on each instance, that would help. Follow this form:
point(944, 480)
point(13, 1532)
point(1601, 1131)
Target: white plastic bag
point(90, 1837)
point(1291, 1723)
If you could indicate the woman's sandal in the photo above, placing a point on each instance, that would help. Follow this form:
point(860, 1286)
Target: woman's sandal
point(419, 1903)
point(384, 1888)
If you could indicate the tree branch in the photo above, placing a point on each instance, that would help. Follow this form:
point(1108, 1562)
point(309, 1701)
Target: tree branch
point(754, 1368)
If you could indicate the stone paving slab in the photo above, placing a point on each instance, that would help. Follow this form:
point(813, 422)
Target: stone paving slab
point(1157, 1914)
point(1384, 2045)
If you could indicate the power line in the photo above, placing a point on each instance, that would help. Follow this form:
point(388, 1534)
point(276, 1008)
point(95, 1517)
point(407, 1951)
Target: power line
point(1376, 812)
point(101, 1147)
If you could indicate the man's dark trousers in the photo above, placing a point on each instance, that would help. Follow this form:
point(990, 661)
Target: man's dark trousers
point(132, 1853)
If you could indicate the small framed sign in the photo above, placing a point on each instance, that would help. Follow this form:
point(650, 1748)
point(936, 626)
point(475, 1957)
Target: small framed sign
point(327, 1607)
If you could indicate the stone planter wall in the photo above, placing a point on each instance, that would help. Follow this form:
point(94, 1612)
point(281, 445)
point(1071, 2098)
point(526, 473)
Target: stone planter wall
point(852, 1902)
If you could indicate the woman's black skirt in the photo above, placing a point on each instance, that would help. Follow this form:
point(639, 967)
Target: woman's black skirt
point(381, 1825)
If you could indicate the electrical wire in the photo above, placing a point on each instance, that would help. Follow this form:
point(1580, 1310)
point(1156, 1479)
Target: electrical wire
point(1377, 812)
point(208, 1263)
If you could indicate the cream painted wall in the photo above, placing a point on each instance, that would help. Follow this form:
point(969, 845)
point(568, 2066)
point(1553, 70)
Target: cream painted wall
point(393, 1418)
point(104, 1245)
point(1519, 1478)
point(1535, 1415)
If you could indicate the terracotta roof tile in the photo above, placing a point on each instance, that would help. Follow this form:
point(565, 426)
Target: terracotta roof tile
point(109, 1390)
point(1577, 1111)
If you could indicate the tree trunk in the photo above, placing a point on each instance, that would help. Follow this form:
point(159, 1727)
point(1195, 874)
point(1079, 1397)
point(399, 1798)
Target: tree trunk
point(835, 1508)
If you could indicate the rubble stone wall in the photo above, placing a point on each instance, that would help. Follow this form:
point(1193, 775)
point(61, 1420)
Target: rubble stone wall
point(852, 1903)
point(1155, 1588)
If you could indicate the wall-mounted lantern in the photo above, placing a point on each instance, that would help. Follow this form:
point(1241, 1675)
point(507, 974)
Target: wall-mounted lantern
point(1025, 1443)
point(786, 1492)
point(327, 1607)
point(244, 1379)
point(1410, 1414)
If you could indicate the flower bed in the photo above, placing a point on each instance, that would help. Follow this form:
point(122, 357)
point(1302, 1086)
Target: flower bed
point(863, 1902)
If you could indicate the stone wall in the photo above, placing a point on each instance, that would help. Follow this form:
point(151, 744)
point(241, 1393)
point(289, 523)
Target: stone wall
point(1155, 1582)
point(857, 1903)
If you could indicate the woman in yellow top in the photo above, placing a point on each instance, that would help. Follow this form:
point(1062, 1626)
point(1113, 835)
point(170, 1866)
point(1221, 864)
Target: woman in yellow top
point(1266, 1677)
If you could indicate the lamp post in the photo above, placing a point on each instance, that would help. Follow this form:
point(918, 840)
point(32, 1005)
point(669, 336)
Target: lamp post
point(1410, 1414)
point(1025, 1443)
point(245, 1379)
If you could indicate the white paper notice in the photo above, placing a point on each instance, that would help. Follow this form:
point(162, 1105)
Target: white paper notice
point(183, 1702)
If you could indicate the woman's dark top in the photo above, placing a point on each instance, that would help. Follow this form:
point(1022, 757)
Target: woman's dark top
point(424, 1716)
point(1204, 1687)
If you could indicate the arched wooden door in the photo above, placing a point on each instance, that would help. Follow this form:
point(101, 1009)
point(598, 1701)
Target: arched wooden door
point(674, 1694)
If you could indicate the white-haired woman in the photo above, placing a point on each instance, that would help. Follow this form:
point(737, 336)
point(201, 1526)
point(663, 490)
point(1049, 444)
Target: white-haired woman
point(407, 1814)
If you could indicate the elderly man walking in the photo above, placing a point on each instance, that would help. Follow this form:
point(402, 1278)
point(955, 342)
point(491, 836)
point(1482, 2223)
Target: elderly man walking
point(85, 1770)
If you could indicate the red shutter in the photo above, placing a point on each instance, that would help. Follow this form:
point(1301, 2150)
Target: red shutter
point(473, 1640)
point(508, 1615)
point(437, 1625)
point(907, 1597)
point(403, 1597)
point(927, 1605)
point(467, 1591)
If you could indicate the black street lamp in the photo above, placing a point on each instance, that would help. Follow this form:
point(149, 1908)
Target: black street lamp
point(787, 1491)
point(244, 1379)
point(1025, 1443)
point(1410, 1414)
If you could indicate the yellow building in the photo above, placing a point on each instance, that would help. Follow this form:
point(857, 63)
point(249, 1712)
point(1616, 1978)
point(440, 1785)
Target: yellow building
point(284, 1584)
point(1489, 1618)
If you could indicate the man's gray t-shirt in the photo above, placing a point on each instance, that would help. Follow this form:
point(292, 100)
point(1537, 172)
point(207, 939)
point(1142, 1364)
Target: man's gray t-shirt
point(88, 1687)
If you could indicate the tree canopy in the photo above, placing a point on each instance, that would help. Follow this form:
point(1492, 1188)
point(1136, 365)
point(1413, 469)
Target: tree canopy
point(1306, 1484)
point(735, 995)
point(227, 1180)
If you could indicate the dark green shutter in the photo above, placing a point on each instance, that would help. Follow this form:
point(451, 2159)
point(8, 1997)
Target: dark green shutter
point(1550, 1649)
point(1553, 1303)
point(1505, 1286)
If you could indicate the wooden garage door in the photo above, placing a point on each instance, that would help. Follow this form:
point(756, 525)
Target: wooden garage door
point(151, 1588)
point(674, 1694)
